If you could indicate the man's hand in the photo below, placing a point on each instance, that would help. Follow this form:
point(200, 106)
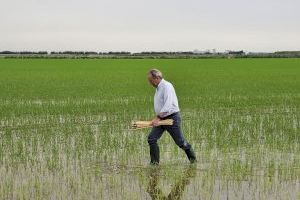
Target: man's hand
point(155, 121)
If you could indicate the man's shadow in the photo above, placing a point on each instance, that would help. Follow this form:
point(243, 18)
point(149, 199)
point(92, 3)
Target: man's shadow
point(177, 190)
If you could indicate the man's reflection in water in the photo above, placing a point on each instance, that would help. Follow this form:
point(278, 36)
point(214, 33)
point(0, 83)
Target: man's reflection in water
point(176, 191)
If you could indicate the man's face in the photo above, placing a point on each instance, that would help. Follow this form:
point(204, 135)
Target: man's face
point(153, 81)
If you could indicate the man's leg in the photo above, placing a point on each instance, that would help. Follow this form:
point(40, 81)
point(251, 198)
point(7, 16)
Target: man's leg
point(177, 135)
point(154, 135)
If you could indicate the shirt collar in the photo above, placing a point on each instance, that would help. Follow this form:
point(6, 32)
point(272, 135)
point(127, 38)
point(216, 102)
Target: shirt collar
point(160, 83)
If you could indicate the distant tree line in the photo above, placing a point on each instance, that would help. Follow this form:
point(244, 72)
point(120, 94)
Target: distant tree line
point(118, 52)
point(24, 52)
point(91, 52)
point(147, 54)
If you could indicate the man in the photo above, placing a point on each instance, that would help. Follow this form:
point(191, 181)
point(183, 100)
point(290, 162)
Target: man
point(166, 107)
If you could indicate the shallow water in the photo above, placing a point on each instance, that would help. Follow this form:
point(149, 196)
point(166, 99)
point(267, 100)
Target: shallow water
point(97, 156)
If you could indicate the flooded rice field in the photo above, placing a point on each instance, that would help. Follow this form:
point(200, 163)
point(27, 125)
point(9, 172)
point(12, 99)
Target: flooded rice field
point(65, 134)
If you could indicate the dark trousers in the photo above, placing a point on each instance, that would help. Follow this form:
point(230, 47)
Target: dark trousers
point(174, 130)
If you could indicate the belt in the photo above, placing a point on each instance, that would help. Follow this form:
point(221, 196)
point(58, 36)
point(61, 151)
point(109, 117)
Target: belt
point(168, 115)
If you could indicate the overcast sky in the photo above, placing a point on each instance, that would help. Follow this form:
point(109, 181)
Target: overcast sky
point(150, 25)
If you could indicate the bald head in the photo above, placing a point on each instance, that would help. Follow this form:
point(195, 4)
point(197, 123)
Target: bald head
point(154, 77)
point(155, 73)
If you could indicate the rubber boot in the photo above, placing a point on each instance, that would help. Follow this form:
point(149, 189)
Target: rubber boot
point(154, 154)
point(191, 155)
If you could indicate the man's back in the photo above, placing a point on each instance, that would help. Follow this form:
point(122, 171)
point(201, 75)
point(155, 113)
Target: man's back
point(165, 99)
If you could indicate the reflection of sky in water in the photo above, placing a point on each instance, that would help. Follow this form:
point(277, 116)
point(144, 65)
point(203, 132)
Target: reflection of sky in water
point(198, 182)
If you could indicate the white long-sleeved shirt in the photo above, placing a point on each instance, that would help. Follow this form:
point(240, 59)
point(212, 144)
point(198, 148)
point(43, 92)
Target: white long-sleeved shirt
point(165, 99)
